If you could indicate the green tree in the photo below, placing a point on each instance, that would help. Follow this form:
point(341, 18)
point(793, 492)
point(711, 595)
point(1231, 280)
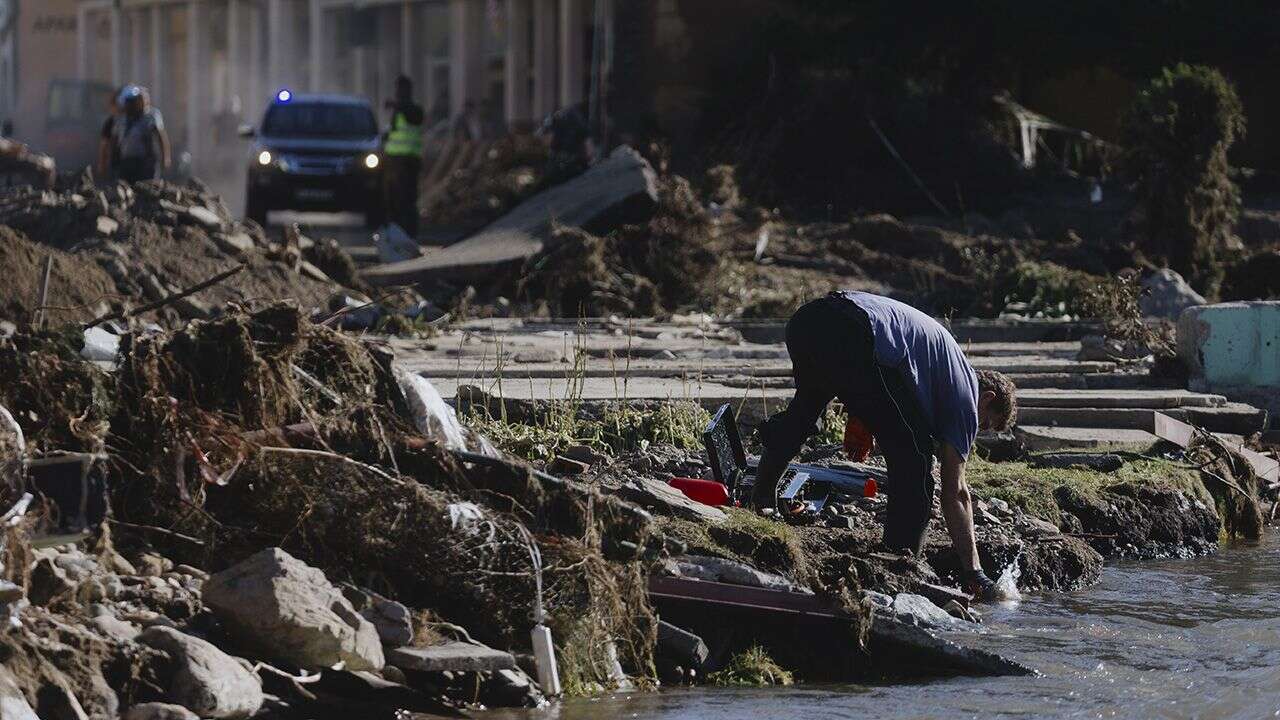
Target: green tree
point(1176, 137)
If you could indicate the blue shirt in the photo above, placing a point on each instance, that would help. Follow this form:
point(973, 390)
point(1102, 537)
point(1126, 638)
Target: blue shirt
point(929, 357)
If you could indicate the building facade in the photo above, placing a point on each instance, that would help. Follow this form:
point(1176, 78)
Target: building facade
point(213, 64)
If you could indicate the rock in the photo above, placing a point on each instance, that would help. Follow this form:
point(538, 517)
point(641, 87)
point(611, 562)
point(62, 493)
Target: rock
point(584, 454)
point(191, 571)
point(511, 687)
point(238, 243)
point(57, 702)
point(681, 646)
point(152, 565)
point(451, 656)
point(13, 704)
point(922, 653)
point(114, 561)
point(391, 619)
point(204, 216)
point(115, 628)
point(48, 581)
point(1166, 295)
point(562, 465)
point(956, 610)
point(915, 609)
point(666, 500)
point(371, 689)
point(158, 711)
point(1098, 462)
point(700, 567)
point(206, 681)
point(288, 609)
point(106, 226)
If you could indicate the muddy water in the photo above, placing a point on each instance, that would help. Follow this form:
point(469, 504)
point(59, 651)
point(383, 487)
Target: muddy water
point(1173, 639)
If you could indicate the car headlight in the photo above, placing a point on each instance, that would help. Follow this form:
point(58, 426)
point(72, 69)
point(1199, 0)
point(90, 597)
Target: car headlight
point(372, 161)
point(264, 158)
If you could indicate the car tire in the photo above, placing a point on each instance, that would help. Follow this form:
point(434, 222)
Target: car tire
point(255, 208)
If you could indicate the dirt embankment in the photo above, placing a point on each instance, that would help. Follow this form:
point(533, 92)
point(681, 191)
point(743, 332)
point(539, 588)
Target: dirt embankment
point(123, 246)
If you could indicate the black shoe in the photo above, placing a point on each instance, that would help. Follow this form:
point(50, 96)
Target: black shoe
point(978, 586)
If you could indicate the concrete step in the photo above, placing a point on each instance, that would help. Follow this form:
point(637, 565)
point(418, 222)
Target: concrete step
point(1148, 399)
point(1044, 437)
point(1039, 364)
point(1090, 381)
point(1235, 418)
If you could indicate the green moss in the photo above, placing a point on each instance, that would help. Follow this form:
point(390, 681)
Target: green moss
point(752, 667)
point(1031, 488)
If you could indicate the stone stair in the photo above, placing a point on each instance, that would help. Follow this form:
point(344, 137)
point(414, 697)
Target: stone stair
point(1063, 402)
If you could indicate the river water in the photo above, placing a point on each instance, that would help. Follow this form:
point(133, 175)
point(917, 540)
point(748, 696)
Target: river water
point(1195, 638)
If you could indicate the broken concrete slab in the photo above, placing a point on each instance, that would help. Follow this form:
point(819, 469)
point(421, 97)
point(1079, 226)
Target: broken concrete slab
point(663, 499)
point(928, 653)
point(620, 189)
point(452, 656)
point(1231, 348)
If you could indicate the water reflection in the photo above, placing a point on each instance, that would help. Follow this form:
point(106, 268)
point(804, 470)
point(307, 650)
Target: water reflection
point(1193, 638)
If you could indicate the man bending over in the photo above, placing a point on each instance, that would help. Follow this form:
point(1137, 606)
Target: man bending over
point(903, 375)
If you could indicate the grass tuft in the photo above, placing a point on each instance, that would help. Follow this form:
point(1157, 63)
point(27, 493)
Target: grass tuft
point(753, 668)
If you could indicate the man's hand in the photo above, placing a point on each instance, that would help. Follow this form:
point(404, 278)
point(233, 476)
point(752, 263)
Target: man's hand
point(957, 508)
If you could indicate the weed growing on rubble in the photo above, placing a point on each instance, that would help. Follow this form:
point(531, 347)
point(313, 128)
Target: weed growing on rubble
point(618, 428)
point(752, 667)
point(746, 537)
point(1031, 489)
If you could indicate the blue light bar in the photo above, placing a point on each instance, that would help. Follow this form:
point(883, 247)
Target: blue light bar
point(284, 96)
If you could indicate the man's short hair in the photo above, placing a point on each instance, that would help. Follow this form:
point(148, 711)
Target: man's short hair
point(1004, 407)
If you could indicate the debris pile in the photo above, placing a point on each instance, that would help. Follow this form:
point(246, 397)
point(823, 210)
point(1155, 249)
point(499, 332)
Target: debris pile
point(260, 432)
point(123, 246)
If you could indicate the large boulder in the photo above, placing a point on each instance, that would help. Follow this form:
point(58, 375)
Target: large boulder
point(207, 681)
point(288, 609)
point(1166, 295)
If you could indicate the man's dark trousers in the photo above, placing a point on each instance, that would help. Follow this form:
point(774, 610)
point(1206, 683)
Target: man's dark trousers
point(832, 350)
point(401, 191)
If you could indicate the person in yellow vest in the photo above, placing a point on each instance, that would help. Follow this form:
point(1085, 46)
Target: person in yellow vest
point(402, 149)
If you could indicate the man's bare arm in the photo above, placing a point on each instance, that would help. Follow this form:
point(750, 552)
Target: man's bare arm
point(957, 508)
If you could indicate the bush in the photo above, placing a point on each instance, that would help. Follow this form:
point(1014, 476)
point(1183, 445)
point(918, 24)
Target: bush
point(1176, 136)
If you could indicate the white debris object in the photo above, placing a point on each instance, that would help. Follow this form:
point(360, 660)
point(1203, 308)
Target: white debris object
point(100, 345)
point(431, 415)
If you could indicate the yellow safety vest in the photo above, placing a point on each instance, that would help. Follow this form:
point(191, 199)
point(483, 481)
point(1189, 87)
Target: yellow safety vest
point(405, 138)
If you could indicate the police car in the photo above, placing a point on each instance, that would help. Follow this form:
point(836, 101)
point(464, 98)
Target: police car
point(315, 153)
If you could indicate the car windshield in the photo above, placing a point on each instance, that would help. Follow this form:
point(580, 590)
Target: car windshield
point(329, 120)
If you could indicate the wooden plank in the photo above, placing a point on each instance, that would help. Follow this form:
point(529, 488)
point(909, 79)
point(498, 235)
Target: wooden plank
point(741, 596)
